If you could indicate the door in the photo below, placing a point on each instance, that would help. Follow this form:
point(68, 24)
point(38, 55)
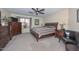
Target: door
point(25, 24)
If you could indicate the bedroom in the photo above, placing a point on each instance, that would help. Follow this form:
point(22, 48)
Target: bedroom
point(58, 16)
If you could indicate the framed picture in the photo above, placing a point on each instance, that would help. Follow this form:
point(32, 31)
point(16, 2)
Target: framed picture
point(36, 21)
point(77, 15)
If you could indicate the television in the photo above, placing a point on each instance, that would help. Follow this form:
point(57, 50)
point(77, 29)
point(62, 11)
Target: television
point(14, 19)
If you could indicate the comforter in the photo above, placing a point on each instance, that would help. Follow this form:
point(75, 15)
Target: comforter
point(43, 30)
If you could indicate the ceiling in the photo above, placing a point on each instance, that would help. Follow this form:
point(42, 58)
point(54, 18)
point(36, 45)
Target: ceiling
point(25, 11)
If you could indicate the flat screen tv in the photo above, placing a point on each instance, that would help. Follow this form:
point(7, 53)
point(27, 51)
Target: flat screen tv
point(14, 19)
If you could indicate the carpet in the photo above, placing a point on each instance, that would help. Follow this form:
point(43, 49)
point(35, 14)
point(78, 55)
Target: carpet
point(27, 42)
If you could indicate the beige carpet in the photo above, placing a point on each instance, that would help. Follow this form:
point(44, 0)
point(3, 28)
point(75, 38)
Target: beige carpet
point(27, 42)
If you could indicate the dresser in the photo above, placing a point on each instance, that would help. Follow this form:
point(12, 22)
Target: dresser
point(7, 32)
point(14, 28)
point(4, 36)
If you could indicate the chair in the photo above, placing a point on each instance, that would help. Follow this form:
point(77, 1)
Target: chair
point(71, 43)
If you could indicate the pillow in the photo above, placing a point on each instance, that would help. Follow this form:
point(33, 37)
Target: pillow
point(71, 34)
point(51, 26)
point(67, 34)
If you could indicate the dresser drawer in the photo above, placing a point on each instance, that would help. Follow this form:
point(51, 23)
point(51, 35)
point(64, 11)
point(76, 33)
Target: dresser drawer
point(2, 43)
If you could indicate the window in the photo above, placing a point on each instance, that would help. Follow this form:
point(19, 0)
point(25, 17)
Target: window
point(25, 22)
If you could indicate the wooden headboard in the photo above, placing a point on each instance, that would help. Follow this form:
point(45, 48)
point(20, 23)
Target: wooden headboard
point(52, 24)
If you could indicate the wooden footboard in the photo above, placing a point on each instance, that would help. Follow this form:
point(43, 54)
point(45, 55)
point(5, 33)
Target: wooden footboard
point(35, 35)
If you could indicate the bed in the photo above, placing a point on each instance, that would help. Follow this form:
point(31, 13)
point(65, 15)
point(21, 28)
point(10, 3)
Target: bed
point(46, 31)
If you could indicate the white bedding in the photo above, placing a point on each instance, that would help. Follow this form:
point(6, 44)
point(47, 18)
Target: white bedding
point(43, 30)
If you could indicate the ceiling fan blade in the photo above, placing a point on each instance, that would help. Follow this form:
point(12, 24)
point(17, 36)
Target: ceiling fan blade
point(34, 9)
point(42, 10)
point(37, 9)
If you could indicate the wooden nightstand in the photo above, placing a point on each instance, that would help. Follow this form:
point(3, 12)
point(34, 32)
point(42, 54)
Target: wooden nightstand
point(59, 34)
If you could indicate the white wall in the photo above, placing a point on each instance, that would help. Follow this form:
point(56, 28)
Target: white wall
point(69, 17)
point(60, 17)
point(73, 24)
point(4, 13)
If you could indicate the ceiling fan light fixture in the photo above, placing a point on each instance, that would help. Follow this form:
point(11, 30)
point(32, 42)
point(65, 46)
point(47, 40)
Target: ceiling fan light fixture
point(38, 11)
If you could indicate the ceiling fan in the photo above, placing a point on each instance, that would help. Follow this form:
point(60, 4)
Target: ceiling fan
point(37, 11)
